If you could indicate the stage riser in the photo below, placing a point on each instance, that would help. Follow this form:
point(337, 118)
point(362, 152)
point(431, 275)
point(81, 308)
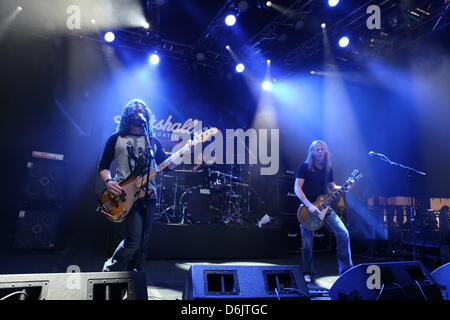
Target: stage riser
point(178, 241)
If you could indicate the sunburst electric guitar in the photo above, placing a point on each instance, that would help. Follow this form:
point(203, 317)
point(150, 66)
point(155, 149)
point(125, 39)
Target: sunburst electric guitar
point(117, 208)
point(313, 221)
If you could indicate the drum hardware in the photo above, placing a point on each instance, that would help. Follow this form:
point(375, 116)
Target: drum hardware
point(204, 196)
point(169, 188)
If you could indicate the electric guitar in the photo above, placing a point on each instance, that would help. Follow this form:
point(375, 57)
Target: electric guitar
point(117, 208)
point(313, 221)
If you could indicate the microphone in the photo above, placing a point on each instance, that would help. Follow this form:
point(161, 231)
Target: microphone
point(140, 120)
point(141, 117)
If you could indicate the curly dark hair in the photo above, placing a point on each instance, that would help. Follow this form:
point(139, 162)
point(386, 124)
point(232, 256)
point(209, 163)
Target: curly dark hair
point(128, 114)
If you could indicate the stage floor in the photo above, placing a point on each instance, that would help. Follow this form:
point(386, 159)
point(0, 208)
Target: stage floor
point(165, 278)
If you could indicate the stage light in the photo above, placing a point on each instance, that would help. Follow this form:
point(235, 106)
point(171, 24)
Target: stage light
point(333, 3)
point(240, 67)
point(243, 6)
point(200, 56)
point(154, 59)
point(146, 25)
point(19, 9)
point(267, 85)
point(263, 4)
point(230, 20)
point(227, 47)
point(109, 36)
point(299, 24)
point(268, 62)
point(344, 42)
point(312, 72)
point(323, 25)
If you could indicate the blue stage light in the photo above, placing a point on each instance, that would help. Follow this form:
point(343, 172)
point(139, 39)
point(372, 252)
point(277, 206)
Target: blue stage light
point(333, 3)
point(267, 85)
point(240, 67)
point(344, 42)
point(109, 36)
point(230, 20)
point(154, 59)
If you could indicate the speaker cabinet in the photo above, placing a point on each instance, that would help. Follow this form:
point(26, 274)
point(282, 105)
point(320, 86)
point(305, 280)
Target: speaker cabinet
point(44, 181)
point(287, 200)
point(386, 281)
point(245, 282)
point(74, 286)
point(37, 228)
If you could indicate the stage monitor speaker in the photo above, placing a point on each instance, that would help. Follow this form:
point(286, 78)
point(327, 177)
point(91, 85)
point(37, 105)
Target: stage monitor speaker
point(442, 277)
point(386, 281)
point(245, 282)
point(74, 286)
point(36, 228)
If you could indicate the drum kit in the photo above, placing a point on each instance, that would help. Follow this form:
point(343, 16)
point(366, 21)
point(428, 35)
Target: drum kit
point(204, 196)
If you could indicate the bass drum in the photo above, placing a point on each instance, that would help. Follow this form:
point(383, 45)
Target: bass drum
point(202, 205)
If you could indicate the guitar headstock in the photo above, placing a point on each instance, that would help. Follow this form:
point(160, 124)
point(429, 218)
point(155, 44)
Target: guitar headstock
point(205, 135)
point(355, 176)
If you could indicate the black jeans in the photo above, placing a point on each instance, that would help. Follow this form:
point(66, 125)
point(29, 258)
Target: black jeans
point(132, 251)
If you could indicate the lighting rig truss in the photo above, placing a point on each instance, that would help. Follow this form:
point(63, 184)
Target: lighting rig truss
point(216, 25)
point(419, 20)
point(265, 37)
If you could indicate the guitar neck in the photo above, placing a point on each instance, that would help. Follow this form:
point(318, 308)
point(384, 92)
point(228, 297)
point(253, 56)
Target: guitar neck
point(143, 180)
point(186, 148)
point(170, 159)
point(332, 197)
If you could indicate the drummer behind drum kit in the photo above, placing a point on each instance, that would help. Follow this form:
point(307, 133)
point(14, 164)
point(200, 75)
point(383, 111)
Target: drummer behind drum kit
point(204, 196)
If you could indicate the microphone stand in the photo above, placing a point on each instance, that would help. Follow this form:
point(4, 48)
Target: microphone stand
point(411, 208)
point(149, 157)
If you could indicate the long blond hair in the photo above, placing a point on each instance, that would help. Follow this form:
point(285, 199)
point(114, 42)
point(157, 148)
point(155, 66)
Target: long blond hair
point(310, 157)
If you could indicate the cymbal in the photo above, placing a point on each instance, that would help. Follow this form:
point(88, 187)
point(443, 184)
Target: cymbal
point(188, 171)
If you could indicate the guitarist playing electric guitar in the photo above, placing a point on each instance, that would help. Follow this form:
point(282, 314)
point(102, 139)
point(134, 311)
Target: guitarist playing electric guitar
point(131, 153)
point(313, 178)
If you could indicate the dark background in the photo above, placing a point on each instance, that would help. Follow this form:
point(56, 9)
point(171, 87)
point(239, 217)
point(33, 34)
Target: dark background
point(59, 94)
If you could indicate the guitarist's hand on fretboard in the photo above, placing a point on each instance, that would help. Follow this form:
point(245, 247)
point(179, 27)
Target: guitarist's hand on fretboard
point(349, 185)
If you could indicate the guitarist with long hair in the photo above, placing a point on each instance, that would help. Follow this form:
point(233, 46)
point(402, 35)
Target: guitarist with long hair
point(315, 177)
point(129, 148)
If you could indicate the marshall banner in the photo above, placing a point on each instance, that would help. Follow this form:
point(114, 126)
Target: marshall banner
point(228, 146)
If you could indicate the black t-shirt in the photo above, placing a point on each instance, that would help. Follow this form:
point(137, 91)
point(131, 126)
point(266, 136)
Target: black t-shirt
point(316, 181)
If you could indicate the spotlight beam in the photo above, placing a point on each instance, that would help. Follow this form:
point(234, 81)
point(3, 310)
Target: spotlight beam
point(4, 25)
point(239, 66)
